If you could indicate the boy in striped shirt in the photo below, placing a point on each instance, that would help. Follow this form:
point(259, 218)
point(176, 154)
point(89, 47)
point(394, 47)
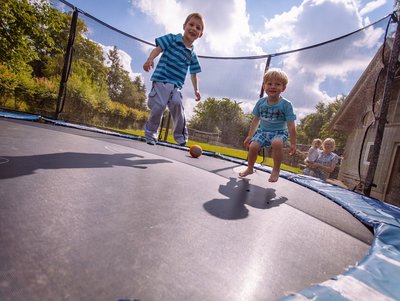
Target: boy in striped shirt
point(169, 76)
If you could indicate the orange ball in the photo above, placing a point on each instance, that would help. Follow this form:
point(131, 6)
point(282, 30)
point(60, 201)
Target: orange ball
point(195, 151)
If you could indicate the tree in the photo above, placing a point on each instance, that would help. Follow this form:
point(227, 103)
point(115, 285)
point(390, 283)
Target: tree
point(26, 32)
point(33, 39)
point(223, 116)
point(133, 93)
point(120, 86)
point(315, 125)
point(29, 39)
point(115, 76)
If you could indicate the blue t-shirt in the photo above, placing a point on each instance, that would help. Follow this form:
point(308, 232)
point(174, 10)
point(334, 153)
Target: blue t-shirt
point(274, 117)
point(326, 160)
point(175, 60)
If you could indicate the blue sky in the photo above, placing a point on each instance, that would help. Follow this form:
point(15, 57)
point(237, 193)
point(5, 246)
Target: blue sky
point(247, 28)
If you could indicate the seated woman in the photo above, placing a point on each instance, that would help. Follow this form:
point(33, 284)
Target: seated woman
point(325, 162)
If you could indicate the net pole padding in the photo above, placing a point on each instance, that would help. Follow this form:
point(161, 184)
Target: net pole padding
point(167, 126)
point(382, 119)
point(67, 65)
point(267, 64)
point(265, 70)
point(161, 125)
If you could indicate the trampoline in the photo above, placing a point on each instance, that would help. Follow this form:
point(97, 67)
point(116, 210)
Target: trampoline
point(86, 215)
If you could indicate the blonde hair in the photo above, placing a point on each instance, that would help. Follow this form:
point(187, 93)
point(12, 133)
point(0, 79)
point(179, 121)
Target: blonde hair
point(315, 141)
point(195, 15)
point(278, 74)
point(331, 141)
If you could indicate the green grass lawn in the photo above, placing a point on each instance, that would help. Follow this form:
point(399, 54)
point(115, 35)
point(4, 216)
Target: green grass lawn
point(232, 152)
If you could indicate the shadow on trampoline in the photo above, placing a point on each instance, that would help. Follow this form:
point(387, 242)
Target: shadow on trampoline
point(240, 193)
point(26, 165)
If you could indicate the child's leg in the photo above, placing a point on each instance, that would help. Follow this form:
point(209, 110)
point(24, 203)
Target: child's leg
point(175, 106)
point(277, 156)
point(254, 148)
point(157, 103)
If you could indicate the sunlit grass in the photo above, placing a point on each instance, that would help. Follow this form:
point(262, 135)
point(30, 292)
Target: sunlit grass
point(232, 152)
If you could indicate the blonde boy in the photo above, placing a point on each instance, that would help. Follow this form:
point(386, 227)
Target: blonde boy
point(272, 124)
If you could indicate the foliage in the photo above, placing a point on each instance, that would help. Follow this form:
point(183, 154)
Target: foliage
point(120, 87)
point(82, 87)
point(222, 116)
point(26, 32)
point(316, 125)
point(21, 91)
point(8, 80)
point(116, 74)
point(33, 36)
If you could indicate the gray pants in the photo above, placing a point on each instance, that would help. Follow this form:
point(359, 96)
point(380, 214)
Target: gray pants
point(161, 96)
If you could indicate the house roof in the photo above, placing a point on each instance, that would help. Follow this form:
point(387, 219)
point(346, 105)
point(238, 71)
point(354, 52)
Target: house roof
point(360, 99)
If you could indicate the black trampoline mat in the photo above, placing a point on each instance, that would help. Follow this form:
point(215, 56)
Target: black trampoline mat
point(88, 216)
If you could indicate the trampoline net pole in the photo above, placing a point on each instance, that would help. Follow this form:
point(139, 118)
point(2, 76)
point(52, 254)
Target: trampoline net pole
point(67, 65)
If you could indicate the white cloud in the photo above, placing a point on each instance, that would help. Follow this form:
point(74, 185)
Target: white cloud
point(370, 39)
point(280, 26)
point(166, 13)
point(226, 34)
point(371, 6)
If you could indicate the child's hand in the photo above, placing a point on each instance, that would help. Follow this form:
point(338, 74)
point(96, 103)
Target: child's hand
point(198, 95)
point(314, 165)
point(292, 150)
point(246, 142)
point(148, 65)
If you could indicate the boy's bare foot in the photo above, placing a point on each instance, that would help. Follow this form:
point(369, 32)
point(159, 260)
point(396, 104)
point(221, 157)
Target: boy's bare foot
point(246, 172)
point(274, 176)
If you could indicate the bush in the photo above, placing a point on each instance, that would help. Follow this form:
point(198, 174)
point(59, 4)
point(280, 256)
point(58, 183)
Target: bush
point(8, 81)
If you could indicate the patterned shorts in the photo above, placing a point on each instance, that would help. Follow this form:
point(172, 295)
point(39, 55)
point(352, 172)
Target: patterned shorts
point(265, 138)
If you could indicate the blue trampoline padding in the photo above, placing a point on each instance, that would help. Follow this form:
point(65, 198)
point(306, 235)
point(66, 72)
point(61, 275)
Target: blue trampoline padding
point(92, 129)
point(368, 210)
point(377, 275)
point(20, 116)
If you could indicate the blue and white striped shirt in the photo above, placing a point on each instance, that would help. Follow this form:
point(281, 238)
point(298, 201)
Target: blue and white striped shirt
point(175, 60)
